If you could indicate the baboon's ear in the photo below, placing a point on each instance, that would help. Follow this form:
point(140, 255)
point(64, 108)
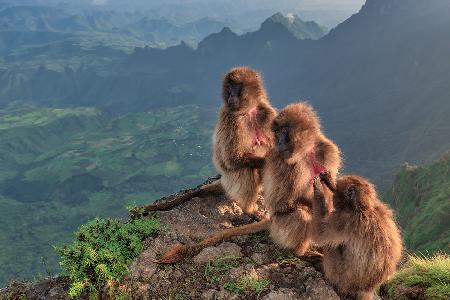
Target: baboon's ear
point(351, 193)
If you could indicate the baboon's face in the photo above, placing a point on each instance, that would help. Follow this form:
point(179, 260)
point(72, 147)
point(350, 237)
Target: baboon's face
point(353, 193)
point(242, 89)
point(292, 134)
point(233, 95)
point(282, 133)
point(345, 197)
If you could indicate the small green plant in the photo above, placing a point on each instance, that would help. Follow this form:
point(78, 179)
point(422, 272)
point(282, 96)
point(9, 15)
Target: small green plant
point(287, 259)
point(247, 283)
point(256, 237)
point(421, 277)
point(102, 251)
point(214, 269)
point(135, 212)
point(19, 295)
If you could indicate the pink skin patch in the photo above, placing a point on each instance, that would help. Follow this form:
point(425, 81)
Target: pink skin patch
point(316, 167)
point(258, 136)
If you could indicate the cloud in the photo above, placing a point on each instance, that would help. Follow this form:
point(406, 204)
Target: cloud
point(99, 2)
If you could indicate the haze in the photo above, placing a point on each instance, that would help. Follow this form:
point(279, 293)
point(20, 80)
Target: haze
point(326, 12)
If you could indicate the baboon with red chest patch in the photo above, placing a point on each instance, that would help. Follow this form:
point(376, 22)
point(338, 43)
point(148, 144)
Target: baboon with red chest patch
point(300, 153)
point(241, 140)
point(242, 136)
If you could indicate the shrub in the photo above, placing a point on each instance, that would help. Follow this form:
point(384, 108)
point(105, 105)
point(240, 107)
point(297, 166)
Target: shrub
point(102, 251)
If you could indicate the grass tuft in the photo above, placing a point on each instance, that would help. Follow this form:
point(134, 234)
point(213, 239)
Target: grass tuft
point(422, 277)
point(247, 283)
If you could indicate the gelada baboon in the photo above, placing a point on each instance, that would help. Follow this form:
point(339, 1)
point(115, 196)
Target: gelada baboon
point(242, 136)
point(300, 153)
point(362, 244)
point(240, 142)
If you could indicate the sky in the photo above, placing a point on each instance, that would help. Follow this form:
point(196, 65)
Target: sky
point(326, 12)
point(329, 12)
point(307, 3)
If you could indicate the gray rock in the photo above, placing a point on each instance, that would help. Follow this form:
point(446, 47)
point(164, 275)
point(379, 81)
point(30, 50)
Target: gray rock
point(212, 253)
point(259, 258)
point(209, 294)
point(282, 294)
point(318, 289)
point(376, 297)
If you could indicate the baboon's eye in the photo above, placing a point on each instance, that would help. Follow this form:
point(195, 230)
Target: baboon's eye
point(235, 89)
point(351, 193)
point(275, 128)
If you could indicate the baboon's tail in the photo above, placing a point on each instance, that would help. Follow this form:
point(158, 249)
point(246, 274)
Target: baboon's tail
point(210, 187)
point(177, 252)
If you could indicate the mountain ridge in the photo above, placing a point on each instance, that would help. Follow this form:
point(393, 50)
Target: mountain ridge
point(300, 29)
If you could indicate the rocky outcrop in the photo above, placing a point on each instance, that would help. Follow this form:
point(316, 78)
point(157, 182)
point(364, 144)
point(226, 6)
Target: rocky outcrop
point(247, 267)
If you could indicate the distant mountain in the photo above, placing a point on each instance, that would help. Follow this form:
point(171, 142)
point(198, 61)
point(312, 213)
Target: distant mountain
point(379, 80)
point(420, 196)
point(164, 32)
point(299, 28)
point(42, 18)
point(143, 28)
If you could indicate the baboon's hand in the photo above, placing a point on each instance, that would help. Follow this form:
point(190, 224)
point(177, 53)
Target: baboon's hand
point(325, 177)
point(255, 162)
point(317, 183)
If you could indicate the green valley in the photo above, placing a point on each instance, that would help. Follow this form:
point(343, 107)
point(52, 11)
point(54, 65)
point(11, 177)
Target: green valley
point(62, 167)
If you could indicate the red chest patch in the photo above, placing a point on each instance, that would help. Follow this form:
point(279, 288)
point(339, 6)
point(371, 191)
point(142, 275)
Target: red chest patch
point(258, 137)
point(315, 167)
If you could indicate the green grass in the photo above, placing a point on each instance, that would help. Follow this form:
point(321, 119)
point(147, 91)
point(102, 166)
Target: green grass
point(421, 276)
point(247, 283)
point(288, 258)
point(102, 251)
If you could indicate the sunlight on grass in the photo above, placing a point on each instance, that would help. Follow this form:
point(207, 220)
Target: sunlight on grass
point(247, 282)
point(420, 275)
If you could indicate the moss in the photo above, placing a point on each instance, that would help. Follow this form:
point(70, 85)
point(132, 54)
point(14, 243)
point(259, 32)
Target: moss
point(421, 277)
point(102, 251)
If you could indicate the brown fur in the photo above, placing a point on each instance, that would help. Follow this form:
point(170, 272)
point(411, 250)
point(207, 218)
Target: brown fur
point(361, 240)
point(288, 189)
point(235, 155)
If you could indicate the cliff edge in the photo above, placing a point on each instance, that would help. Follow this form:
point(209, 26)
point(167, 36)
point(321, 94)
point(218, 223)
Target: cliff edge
point(247, 267)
